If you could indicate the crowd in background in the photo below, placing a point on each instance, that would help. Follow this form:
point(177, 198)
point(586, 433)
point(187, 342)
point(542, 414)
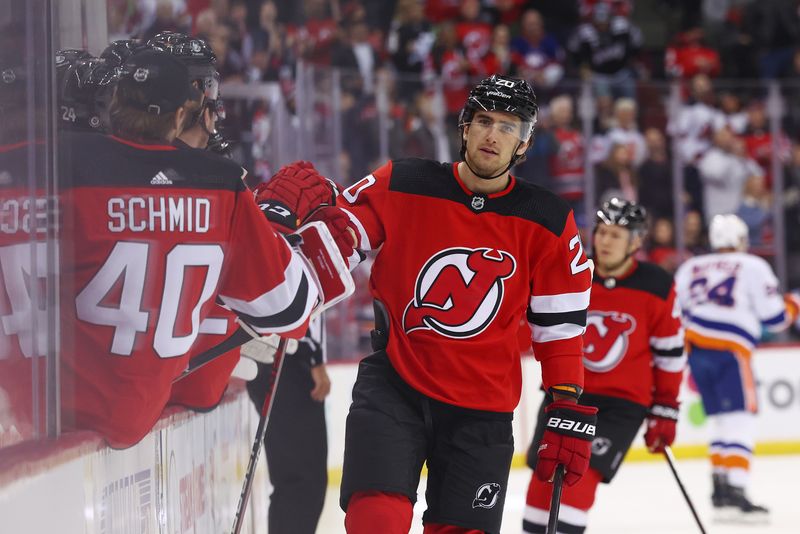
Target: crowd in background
point(621, 48)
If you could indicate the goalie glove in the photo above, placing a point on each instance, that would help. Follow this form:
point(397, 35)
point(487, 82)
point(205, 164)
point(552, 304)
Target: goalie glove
point(661, 424)
point(292, 194)
point(567, 440)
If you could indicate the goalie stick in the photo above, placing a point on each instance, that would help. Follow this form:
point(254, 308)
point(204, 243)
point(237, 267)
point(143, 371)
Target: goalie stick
point(261, 431)
point(555, 500)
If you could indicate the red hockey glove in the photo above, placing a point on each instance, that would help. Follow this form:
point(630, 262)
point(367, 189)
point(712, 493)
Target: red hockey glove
point(661, 425)
point(293, 193)
point(343, 230)
point(567, 440)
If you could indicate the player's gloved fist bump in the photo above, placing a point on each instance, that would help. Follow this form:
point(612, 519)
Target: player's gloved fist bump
point(661, 423)
point(342, 230)
point(567, 440)
point(293, 193)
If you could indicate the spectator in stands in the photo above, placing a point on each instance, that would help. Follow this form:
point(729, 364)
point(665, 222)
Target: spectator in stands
point(357, 58)
point(567, 163)
point(540, 56)
point(730, 114)
point(604, 50)
point(723, 172)
point(759, 143)
point(689, 55)
point(505, 11)
point(411, 135)
point(774, 26)
point(694, 128)
point(661, 250)
point(791, 204)
point(616, 176)
point(694, 236)
point(410, 44)
point(230, 64)
point(268, 46)
point(499, 59)
point(655, 177)
point(625, 131)
point(316, 36)
point(237, 22)
point(754, 208)
point(454, 69)
point(474, 32)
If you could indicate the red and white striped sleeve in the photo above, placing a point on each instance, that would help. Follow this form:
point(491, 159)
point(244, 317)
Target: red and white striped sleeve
point(363, 202)
point(263, 281)
point(561, 286)
point(667, 347)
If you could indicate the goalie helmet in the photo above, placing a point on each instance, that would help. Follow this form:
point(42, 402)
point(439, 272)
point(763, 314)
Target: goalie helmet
point(506, 94)
point(728, 231)
point(619, 212)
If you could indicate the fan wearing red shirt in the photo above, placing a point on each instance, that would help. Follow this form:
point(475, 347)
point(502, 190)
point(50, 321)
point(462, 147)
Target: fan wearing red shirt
point(633, 356)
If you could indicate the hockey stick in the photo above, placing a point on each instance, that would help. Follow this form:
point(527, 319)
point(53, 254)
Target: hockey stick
point(261, 431)
point(235, 340)
point(671, 461)
point(555, 500)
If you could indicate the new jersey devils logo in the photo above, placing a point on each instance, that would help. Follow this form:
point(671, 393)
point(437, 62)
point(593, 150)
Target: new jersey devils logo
point(459, 291)
point(606, 339)
point(487, 495)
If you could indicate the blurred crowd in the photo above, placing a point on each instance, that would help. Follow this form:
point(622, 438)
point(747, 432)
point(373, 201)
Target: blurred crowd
point(426, 54)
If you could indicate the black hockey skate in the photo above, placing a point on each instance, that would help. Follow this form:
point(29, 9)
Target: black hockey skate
point(735, 507)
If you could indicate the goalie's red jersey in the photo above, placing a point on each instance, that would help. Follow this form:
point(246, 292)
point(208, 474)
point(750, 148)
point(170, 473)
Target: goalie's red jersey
point(153, 238)
point(457, 272)
point(633, 345)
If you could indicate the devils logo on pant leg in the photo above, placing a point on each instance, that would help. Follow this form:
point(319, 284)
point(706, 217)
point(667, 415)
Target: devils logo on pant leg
point(606, 339)
point(459, 291)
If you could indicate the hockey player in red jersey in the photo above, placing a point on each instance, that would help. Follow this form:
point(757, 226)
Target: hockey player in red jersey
point(153, 236)
point(464, 252)
point(634, 360)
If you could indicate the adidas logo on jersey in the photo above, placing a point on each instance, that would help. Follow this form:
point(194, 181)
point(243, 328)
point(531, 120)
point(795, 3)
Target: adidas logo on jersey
point(160, 179)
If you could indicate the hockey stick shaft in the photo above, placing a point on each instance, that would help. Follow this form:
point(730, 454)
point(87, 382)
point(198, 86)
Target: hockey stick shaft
point(235, 340)
point(261, 431)
point(555, 500)
point(671, 461)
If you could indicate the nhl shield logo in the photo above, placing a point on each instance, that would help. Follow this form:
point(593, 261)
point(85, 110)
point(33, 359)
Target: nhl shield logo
point(141, 74)
point(478, 203)
point(9, 76)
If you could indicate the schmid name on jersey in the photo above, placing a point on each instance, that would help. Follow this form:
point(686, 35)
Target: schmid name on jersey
point(159, 214)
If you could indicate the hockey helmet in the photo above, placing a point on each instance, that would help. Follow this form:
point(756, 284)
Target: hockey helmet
point(728, 231)
point(506, 94)
point(624, 213)
point(81, 80)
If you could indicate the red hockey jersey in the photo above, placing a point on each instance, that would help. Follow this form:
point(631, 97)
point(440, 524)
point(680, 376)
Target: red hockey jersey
point(633, 345)
point(457, 272)
point(153, 237)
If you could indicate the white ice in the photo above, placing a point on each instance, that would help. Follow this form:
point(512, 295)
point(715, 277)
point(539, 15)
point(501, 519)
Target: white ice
point(644, 499)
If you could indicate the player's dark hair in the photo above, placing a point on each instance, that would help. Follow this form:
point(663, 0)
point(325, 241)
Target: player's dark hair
point(136, 124)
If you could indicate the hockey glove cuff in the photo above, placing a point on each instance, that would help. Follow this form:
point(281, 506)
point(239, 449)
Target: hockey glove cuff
point(293, 193)
point(567, 440)
point(344, 232)
point(661, 425)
